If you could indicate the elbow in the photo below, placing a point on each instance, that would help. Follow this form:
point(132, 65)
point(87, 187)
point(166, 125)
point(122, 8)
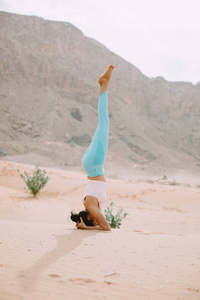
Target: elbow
point(107, 228)
point(104, 227)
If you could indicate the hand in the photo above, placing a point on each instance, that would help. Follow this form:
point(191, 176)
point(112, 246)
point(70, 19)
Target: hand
point(81, 225)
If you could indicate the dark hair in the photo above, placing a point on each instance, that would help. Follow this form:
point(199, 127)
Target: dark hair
point(84, 215)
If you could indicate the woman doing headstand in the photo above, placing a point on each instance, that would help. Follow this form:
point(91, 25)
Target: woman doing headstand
point(92, 161)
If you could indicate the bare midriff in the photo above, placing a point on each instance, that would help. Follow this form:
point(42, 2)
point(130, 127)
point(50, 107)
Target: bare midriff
point(100, 178)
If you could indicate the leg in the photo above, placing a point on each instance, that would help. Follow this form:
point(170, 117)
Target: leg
point(94, 156)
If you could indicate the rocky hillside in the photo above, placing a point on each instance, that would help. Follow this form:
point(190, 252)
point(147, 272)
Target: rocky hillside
point(49, 95)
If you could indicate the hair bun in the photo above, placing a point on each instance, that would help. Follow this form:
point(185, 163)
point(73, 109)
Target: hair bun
point(74, 217)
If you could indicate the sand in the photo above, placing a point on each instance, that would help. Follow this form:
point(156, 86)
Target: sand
point(154, 255)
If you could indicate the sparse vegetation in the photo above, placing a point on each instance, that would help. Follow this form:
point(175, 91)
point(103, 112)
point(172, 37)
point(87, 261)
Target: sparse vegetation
point(36, 181)
point(114, 220)
point(172, 182)
point(169, 182)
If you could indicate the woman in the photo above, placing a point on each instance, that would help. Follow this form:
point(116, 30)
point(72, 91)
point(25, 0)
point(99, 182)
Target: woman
point(92, 161)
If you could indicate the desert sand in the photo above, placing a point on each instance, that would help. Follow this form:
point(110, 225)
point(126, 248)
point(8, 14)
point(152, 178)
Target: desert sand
point(154, 255)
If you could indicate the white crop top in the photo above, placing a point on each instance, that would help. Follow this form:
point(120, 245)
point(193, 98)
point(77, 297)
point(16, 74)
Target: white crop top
point(97, 189)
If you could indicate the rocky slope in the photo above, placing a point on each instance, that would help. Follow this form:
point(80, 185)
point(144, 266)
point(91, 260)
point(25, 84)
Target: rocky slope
point(49, 95)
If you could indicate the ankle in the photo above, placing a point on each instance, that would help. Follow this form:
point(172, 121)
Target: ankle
point(103, 88)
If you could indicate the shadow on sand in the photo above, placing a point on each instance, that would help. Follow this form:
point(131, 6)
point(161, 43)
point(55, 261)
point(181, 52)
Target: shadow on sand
point(66, 243)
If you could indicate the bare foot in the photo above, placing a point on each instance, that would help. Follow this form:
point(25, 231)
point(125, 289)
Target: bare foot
point(105, 77)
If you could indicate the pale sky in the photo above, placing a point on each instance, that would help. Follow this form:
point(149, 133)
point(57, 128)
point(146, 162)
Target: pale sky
point(160, 37)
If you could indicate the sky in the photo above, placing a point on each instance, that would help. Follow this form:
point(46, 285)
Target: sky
point(159, 37)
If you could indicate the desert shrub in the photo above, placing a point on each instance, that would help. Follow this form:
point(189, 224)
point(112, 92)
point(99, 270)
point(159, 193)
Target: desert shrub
point(36, 181)
point(114, 220)
point(172, 182)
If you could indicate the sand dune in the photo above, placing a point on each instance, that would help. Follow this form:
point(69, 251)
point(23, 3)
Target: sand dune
point(155, 254)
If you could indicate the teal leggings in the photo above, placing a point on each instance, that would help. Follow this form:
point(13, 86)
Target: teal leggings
point(94, 156)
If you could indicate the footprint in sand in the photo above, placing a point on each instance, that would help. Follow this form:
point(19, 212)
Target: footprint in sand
point(141, 232)
point(51, 194)
point(174, 209)
point(54, 275)
point(108, 282)
point(147, 191)
point(193, 290)
point(81, 280)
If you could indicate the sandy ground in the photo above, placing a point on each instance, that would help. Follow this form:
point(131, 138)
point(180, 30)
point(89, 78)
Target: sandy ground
point(155, 254)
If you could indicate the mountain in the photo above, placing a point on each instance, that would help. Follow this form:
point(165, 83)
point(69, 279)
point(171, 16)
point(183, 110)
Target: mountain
point(49, 96)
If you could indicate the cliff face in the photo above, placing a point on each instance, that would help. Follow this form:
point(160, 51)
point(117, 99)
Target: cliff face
point(49, 96)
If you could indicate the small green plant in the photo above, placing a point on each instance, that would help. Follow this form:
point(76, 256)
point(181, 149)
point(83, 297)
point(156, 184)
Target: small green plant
point(172, 182)
point(35, 182)
point(164, 177)
point(114, 220)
